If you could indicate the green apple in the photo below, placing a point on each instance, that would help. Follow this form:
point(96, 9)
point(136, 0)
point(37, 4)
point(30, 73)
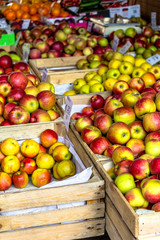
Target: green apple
point(155, 70)
point(139, 61)
point(147, 53)
point(114, 63)
point(124, 77)
point(102, 70)
point(130, 32)
point(140, 50)
point(152, 48)
point(84, 89)
point(97, 87)
point(153, 147)
point(94, 64)
point(113, 73)
point(97, 77)
point(138, 72)
point(119, 33)
point(129, 58)
point(92, 82)
point(118, 56)
point(126, 68)
point(78, 83)
point(125, 182)
point(88, 76)
point(146, 66)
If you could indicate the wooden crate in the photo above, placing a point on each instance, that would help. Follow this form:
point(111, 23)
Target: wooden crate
point(61, 75)
point(12, 48)
point(120, 215)
point(78, 100)
point(66, 223)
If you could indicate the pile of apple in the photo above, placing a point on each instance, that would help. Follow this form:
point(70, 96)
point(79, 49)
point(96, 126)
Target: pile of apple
point(61, 41)
point(119, 70)
point(126, 127)
point(22, 98)
point(38, 160)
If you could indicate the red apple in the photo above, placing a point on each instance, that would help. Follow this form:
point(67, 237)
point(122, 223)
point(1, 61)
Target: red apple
point(22, 67)
point(18, 80)
point(90, 133)
point(137, 83)
point(120, 86)
point(5, 88)
point(139, 168)
point(28, 165)
point(48, 138)
point(20, 179)
point(83, 122)
point(151, 136)
point(124, 114)
point(29, 102)
point(88, 111)
point(136, 145)
point(41, 177)
point(109, 151)
point(98, 112)
point(3, 78)
point(46, 99)
point(35, 53)
point(33, 78)
point(53, 114)
point(6, 123)
point(18, 115)
point(77, 115)
point(97, 101)
point(39, 116)
point(155, 166)
point(144, 106)
point(7, 108)
point(99, 145)
point(5, 61)
point(122, 167)
point(15, 95)
point(103, 122)
point(5, 181)
point(151, 122)
point(110, 106)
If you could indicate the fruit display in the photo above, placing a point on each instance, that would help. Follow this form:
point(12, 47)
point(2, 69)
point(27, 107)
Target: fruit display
point(61, 41)
point(126, 129)
point(41, 162)
point(34, 11)
point(70, 3)
point(22, 98)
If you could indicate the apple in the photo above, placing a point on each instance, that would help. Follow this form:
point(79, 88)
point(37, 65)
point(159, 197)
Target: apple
point(113, 73)
point(124, 114)
point(147, 32)
point(29, 102)
point(126, 68)
point(120, 86)
point(93, 57)
point(98, 112)
point(97, 87)
point(5, 181)
point(91, 42)
point(137, 130)
point(5, 61)
point(32, 91)
point(129, 97)
point(80, 43)
point(155, 166)
point(144, 106)
point(136, 145)
point(18, 115)
point(137, 83)
point(20, 179)
point(136, 199)
point(45, 86)
point(18, 80)
point(125, 182)
point(97, 101)
point(155, 70)
point(87, 51)
point(150, 95)
point(139, 169)
point(4, 77)
point(149, 79)
point(43, 46)
point(15, 95)
point(99, 50)
point(119, 33)
point(110, 106)
point(90, 133)
point(122, 133)
point(34, 53)
point(99, 145)
point(109, 151)
point(156, 86)
point(41, 177)
point(5, 88)
point(33, 78)
point(103, 122)
point(78, 83)
point(148, 89)
point(69, 49)
point(22, 67)
point(83, 122)
point(84, 89)
point(151, 122)
point(153, 147)
point(46, 99)
point(50, 41)
point(156, 207)
point(152, 135)
point(157, 102)
point(147, 157)
point(122, 153)
point(151, 190)
point(138, 72)
point(39, 115)
point(53, 114)
point(6, 123)
point(88, 111)
point(122, 167)
point(76, 115)
point(81, 62)
point(48, 137)
point(114, 63)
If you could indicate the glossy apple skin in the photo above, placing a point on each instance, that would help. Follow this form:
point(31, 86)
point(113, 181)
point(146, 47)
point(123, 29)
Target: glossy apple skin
point(88, 111)
point(144, 106)
point(89, 133)
point(41, 177)
point(18, 115)
point(15, 95)
point(151, 190)
point(151, 122)
point(99, 145)
point(39, 115)
point(124, 114)
point(136, 145)
point(103, 122)
point(5, 181)
point(139, 169)
point(28, 165)
point(76, 115)
point(137, 130)
point(155, 166)
point(122, 153)
point(122, 167)
point(48, 137)
point(18, 80)
point(20, 179)
point(7, 108)
point(83, 122)
point(46, 99)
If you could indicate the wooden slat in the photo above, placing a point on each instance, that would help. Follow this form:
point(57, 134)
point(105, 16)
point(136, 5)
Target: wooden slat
point(118, 221)
point(51, 217)
point(69, 231)
point(111, 230)
point(148, 223)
